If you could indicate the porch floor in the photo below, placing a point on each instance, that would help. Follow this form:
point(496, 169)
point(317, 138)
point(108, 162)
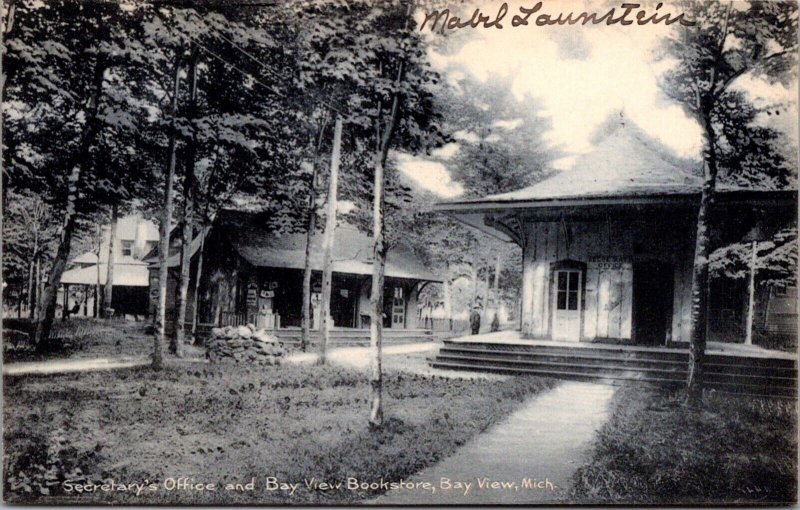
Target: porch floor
point(515, 338)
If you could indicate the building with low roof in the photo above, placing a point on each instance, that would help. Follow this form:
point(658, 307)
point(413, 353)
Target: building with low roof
point(608, 246)
point(253, 275)
point(134, 238)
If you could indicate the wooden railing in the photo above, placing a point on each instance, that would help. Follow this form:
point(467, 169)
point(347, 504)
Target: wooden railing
point(443, 325)
point(261, 321)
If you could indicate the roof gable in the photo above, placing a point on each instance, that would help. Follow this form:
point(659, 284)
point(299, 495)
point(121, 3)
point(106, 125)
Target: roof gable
point(626, 163)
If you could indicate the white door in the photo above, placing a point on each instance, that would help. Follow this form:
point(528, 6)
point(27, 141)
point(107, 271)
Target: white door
point(567, 305)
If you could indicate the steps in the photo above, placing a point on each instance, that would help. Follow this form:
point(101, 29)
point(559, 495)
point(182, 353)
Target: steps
point(726, 373)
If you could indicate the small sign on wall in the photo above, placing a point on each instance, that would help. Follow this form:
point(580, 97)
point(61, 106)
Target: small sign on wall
point(252, 297)
point(608, 263)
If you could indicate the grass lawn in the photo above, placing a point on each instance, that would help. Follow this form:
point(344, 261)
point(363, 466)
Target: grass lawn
point(653, 450)
point(231, 423)
point(92, 338)
point(87, 338)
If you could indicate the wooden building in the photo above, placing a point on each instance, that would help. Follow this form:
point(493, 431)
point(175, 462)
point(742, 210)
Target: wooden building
point(608, 246)
point(133, 239)
point(251, 275)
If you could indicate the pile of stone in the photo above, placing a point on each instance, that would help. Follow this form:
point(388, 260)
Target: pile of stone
point(244, 344)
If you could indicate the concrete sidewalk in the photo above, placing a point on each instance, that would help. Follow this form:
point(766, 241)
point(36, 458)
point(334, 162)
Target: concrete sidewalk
point(529, 458)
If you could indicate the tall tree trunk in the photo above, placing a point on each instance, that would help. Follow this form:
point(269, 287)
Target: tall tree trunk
point(46, 307)
point(181, 298)
point(376, 302)
point(97, 287)
point(379, 266)
point(39, 284)
point(384, 141)
point(31, 289)
point(327, 244)
point(46, 300)
point(751, 296)
point(699, 314)
point(108, 291)
point(166, 219)
point(311, 227)
point(197, 275)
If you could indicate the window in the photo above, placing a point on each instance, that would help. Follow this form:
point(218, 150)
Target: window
point(568, 290)
point(127, 248)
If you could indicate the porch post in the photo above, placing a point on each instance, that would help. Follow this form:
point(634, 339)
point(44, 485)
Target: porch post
point(748, 339)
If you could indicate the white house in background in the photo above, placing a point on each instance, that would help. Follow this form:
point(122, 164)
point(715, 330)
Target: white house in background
point(134, 238)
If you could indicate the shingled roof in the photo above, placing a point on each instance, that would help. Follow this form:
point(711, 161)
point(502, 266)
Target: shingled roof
point(626, 163)
point(352, 249)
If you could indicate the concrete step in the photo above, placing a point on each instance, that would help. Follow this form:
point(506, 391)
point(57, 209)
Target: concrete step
point(616, 353)
point(761, 390)
point(714, 364)
point(670, 372)
point(729, 373)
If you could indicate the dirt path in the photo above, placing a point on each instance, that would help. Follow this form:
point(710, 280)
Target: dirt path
point(73, 365)
point(411, 358)
point(545, 442)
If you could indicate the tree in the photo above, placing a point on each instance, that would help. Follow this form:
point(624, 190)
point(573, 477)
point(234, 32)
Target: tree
point(29, 232)
point(501, 145)
point(757, 39)
point(108, 291)
point(189, 191)
point(500, 148)
point(370, 59)
point(164, 228)
point(327, 245)
point(66, 71)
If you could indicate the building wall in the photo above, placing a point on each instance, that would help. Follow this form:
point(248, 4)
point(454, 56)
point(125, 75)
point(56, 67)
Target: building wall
point(608, 249)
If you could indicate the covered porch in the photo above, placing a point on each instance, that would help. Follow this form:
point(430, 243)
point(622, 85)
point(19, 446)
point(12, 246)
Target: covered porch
point(510, 338)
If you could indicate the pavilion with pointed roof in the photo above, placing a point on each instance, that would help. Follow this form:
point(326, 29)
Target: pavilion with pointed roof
point(608, 246)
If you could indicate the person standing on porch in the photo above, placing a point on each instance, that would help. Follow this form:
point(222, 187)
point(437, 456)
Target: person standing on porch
point(475, 320)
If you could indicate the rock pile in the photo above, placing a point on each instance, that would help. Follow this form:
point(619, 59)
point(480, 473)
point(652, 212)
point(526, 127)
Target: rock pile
point(244, 344)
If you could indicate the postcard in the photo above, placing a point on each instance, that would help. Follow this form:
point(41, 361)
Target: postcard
point(399, 252)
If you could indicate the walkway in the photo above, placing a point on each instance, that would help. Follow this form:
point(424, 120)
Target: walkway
point(544, 442)
point(358, 357)
point(72, 365)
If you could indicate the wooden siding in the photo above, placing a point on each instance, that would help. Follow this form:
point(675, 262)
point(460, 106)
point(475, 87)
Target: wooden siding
point(609, 247)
